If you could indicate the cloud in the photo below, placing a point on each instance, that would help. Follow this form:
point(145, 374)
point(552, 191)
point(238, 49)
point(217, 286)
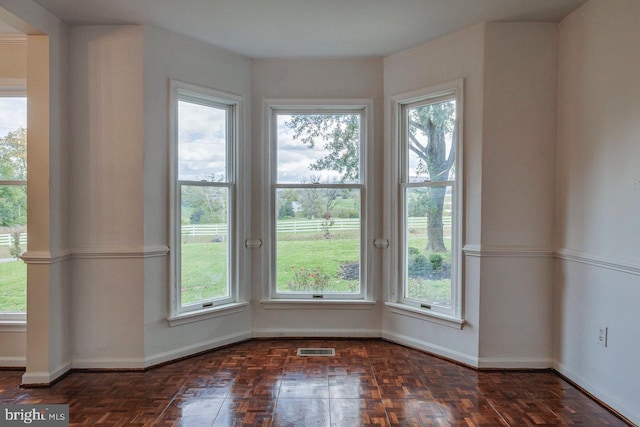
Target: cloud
point(202, 133)
point(13, 114)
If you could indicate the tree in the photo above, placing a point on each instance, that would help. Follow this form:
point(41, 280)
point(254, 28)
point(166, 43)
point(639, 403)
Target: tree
point(341, 136)
point(208, 204)
point(13, 167)
point(13, 156)
point(428, 127)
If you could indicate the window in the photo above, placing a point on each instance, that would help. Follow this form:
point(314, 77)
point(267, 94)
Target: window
point(13, 204)
point(429, 186)
point(204, 145)
point(318, 202)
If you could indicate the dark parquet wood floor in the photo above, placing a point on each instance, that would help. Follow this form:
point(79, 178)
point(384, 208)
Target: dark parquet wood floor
point(264, 383)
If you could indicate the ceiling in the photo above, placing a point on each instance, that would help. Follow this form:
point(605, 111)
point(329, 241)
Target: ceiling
point(309, 28)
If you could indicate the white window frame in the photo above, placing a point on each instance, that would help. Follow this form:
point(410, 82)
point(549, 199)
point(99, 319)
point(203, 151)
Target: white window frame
point(13, 88)
point(363, 107)
point(396, 301)
point(181, 91)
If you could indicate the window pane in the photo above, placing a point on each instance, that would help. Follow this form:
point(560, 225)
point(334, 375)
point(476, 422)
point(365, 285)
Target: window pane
point(321, 148)
point(202, 142)
point(430, 136)
point(428, 245)
point(13, 243)
point(318, 240)
point(204, 249)
point(13, 138)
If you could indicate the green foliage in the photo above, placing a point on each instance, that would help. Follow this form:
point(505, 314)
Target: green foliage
point(15, 250)
point(13, 167)
point(286, 210)
point(418, 265)
point(340, 134)
point(308, 279)
point(13, 205)
point(208, 205)
point(13, 156)
point(436, 262)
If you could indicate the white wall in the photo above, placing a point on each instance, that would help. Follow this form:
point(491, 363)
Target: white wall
point(518, 176)
point(312, 79)
point(598, 201)
point(458, 56)
point(120, 197)
point(107, 195)
point(169, 56)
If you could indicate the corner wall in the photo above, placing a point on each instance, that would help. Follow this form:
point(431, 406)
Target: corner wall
point(518, 194)
point(458, 56)
point(170, 56)
point(597, 280)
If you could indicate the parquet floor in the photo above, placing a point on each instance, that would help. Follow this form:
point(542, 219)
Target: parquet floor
point(264, 383)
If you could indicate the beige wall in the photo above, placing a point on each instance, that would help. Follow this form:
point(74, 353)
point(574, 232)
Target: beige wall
point(598, 201)
point(13, 59)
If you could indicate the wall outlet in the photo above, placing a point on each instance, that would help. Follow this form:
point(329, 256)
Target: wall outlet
point(602, 335)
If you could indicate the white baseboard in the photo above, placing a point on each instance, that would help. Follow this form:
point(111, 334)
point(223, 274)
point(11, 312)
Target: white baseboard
point(316, 333)
point(155, 359)
point(463, 358)
point(13, 362)
point(44, 378)
point(632, 414)
point(195, 348)
point(515, 363)
point(110, 363)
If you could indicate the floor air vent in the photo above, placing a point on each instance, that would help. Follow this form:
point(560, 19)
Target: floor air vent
point(316, 352)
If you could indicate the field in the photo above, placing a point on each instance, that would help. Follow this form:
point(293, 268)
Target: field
point(306, 262)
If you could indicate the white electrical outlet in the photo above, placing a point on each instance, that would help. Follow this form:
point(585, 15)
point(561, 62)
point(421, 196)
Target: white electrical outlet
point(602, 335)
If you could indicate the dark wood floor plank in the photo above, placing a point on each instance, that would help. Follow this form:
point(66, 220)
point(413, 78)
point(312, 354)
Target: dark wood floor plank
point(264, 383)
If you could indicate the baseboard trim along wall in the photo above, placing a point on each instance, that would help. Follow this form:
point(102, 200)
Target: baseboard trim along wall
point(191, 350)
point(13, 362)
point(515, 363)
point(465, 359)
point(612, 403)
point(42, 378)
point(316, 333)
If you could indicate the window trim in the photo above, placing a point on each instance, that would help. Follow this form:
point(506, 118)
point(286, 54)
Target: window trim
point(395, 297)
point(14, 88)
point(179, 91)
point(273, 107)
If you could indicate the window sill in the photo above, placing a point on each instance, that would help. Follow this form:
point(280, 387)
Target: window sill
point(13, 326)
point(208, 313)
point(430, 316)
point(314, 304)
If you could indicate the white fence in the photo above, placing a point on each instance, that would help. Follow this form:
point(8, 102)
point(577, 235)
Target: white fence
point(301, 226)
point(7, 239)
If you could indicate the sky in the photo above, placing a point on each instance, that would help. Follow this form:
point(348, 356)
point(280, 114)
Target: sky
point(202, 147)
point(13, 114)
point(201, 142)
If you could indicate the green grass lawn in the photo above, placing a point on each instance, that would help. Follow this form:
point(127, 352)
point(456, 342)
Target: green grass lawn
point(13, 289)
point(305, 262)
